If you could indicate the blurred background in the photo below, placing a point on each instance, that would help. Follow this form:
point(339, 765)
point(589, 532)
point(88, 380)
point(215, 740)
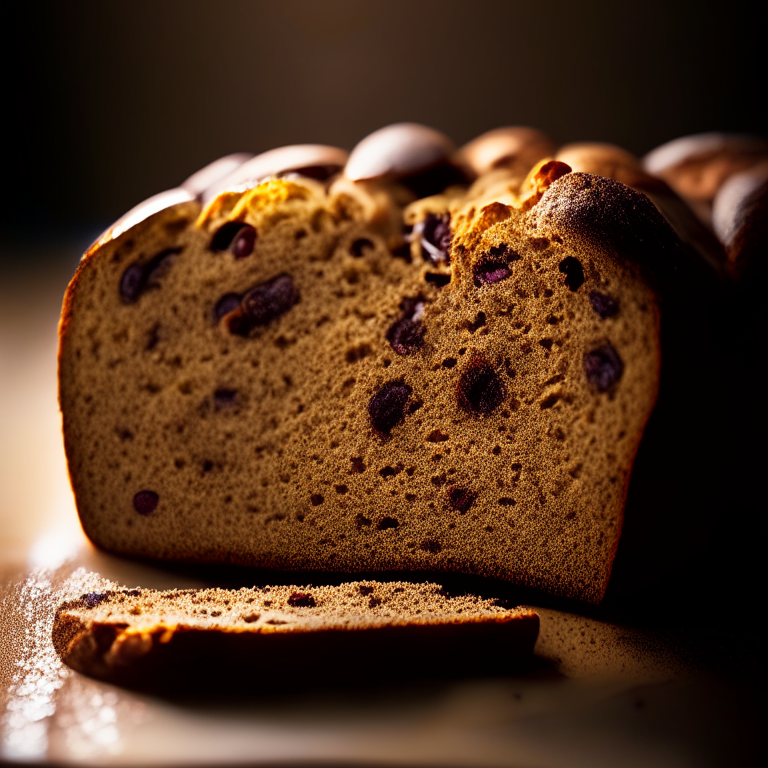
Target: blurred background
point(107, 103)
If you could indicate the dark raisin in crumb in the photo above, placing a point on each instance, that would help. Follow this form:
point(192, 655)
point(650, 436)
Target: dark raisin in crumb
point(243, 242)
point(387, 407)
point(269, 300)
point(341, 489)
point(479, 389)
point(436, 237)
point(406, 334)
point(144, 502)
point(603, 367)
point(138, 277)
point(357, 465)
point(364, 590)
point(361, 521)
point(374, 602)
point(493, 266)
point(224, 398)
point(573, 271)
point(316, 499)
point(387, 522)
point(461, 499)
point(604, 305)
point(229, 302)
point(92, 599)
point(449, 362)
point(301, 600)
point(132, 283)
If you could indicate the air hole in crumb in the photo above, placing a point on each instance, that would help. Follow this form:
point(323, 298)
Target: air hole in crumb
point(548, 401)
point(436, 279)
point(360, 246)
point(357, 353)
point(573, 271)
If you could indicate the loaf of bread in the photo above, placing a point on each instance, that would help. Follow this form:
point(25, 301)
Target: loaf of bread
point(286, 636)
point(424, 362)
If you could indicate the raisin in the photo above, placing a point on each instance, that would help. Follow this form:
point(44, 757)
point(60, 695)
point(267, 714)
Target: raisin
point(461, 499)
point(227, 233)
point(604, 305)
point(387, 407)
point(243, 242)
point(603, 367)
point(229, 302)
point(436, 238)
point(301, 600)
point(493, 266)
point(387, 522)
point(145, 502)
point(406, 334)
point(266, 302)
point(479, 389)
point(224, 398)
point(138, 277)
point(573, 271)
point(92, 599)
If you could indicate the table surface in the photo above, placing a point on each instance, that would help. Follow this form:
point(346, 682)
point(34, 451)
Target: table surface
point(603, 691)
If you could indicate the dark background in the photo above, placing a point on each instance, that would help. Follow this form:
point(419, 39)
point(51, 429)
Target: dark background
point(106, 103)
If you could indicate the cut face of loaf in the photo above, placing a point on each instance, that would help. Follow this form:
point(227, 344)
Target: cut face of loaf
point(274, 382)
point(289, 635)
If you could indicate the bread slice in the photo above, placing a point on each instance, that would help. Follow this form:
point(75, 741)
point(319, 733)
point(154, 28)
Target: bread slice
point(334, 375)
point(289, 635)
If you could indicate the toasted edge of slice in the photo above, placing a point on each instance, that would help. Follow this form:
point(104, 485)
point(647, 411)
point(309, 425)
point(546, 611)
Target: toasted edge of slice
point(275, 637)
